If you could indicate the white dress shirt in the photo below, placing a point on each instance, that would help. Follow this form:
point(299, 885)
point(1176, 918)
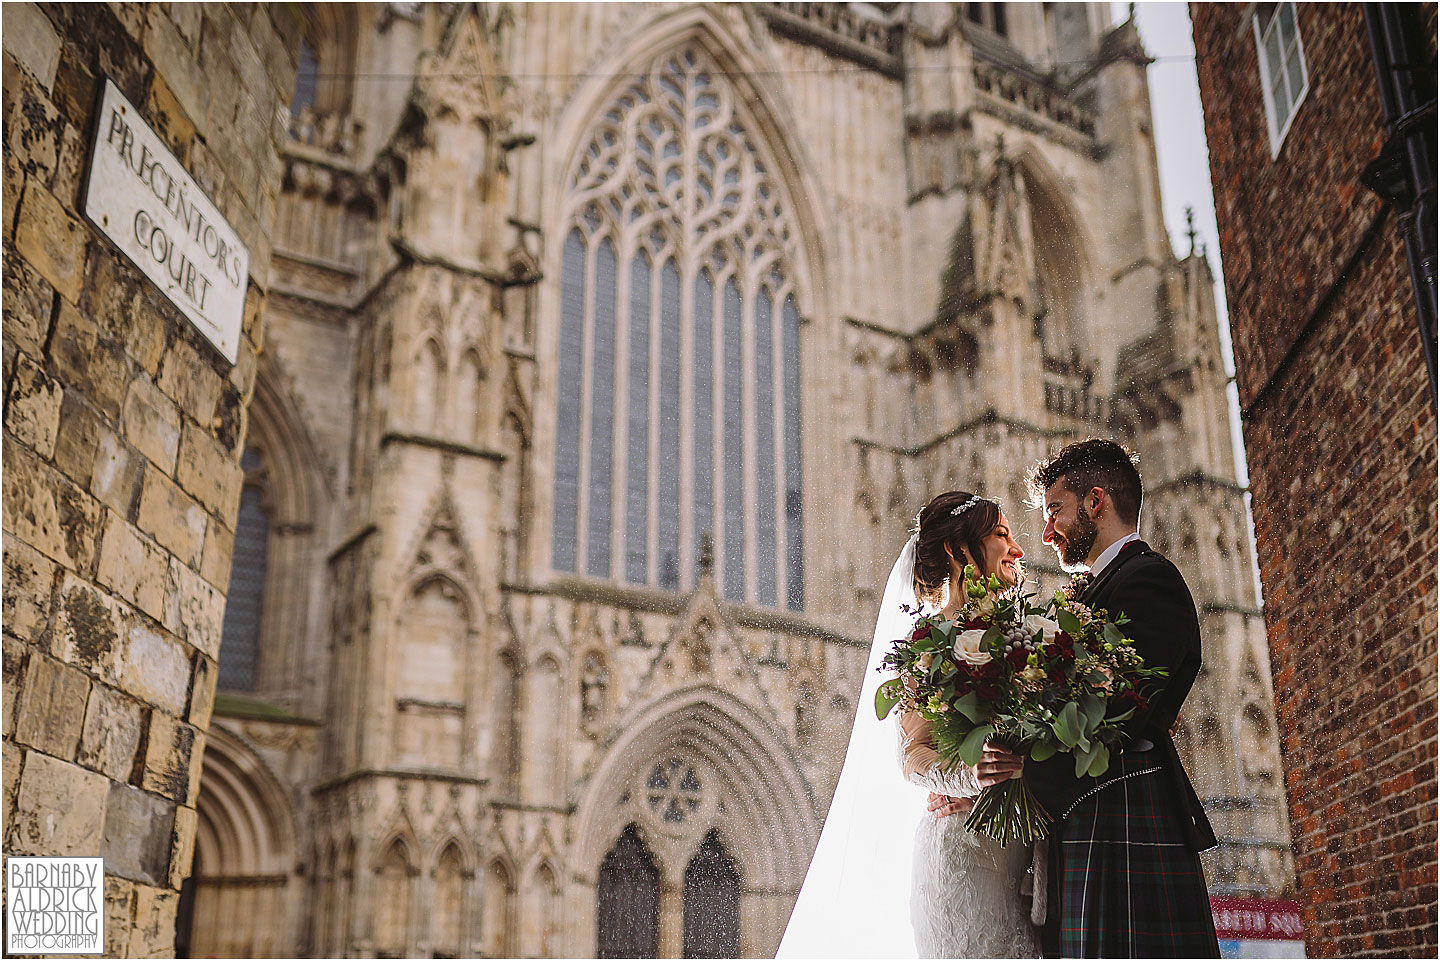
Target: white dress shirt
point(1113, 551)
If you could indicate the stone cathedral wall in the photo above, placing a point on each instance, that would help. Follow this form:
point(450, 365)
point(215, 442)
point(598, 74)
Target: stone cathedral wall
point(444, 736)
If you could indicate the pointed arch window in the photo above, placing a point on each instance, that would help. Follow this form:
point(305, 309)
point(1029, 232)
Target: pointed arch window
point(712, 903)
point(306, 78)
point(678, 357)
point(240, 635)
point(629, 900)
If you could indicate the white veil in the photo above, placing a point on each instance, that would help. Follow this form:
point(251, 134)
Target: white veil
point(855, 902)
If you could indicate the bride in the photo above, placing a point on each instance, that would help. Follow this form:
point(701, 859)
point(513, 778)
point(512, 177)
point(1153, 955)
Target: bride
point(951, 893)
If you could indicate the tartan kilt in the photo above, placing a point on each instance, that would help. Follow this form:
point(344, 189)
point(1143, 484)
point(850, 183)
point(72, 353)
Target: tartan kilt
point(1130, 887)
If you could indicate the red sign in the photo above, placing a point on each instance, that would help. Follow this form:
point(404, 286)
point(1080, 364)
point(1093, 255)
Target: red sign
point(1256, 918)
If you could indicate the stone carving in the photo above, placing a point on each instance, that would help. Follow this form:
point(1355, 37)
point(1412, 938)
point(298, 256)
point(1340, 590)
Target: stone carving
point(594, 682)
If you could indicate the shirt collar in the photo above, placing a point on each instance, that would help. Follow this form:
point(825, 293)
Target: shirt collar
point(1113, 551)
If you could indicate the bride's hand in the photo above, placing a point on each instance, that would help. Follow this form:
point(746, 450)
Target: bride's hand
point(997, 765)
point(942, 806)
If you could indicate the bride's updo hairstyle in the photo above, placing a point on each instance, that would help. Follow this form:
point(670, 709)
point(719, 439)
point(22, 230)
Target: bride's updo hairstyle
point(963, 533)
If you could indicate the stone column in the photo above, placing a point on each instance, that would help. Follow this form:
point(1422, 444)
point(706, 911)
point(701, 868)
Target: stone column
point(121, 448)
point(672, 919)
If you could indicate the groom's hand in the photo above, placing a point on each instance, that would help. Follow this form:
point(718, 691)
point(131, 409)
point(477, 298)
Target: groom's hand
point(997, 765)
point(942, 806)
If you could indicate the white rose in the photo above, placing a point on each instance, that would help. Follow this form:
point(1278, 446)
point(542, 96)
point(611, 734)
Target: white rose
point(985, 606)
point(1035, 623)
point(967, 648)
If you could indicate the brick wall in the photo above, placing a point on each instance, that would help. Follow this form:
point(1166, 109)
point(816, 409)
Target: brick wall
point(122, 433)
point(1340, 438)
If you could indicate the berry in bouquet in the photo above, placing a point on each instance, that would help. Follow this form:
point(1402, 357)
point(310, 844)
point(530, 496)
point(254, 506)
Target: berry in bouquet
point(1034, 679)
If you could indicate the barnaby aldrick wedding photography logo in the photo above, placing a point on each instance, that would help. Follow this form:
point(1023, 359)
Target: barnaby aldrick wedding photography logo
point(54, 905)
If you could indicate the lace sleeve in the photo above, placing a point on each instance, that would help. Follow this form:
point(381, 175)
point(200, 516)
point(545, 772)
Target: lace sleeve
point(921, 765)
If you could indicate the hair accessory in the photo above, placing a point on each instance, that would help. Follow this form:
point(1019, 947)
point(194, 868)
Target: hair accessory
point(975, 499)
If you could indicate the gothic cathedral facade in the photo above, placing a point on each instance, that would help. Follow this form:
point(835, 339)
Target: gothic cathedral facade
point(611, 351)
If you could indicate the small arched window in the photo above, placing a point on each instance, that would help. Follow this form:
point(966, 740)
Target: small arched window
point(712, 903)
point(240, 637)
point(306, 79)
point(629, 900)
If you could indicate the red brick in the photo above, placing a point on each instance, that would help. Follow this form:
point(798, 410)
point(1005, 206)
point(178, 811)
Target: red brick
point(1340, 437)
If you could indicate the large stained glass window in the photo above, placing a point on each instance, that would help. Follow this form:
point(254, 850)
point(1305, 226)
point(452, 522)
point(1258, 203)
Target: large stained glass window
point(677, 449)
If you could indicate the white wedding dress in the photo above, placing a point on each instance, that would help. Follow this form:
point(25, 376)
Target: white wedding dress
point(888, 879)
point(965, 889)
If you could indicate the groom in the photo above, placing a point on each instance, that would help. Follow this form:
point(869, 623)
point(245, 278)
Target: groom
point(1123, 872)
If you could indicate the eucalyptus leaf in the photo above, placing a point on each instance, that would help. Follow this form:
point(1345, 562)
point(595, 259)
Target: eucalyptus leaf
point(1100, 760)
point(970, 706)
point(1083, 759)
point(1043, 750)
point(1069, 623)
point(886, 697)
point(1112, 634)
point(1094, 709)
point(1067, 725)
point(974, 744)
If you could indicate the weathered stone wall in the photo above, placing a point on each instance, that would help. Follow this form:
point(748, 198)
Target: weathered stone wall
point(1340, 435)
point(122, 433)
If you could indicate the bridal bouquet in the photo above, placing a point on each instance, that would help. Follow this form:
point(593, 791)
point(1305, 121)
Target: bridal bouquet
point(1034, 679)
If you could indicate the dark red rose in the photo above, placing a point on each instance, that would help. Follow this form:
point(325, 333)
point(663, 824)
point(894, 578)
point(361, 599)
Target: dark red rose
point(1064, 641)
point(1134, 699)
point(1017, 658)
point(964, 685)
point(920, 632)
point(991, 669)
point(1057, 676)
point(975, 624)
point(988, 691)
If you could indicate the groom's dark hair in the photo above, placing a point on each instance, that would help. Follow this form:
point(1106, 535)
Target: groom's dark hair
point(1092, 463)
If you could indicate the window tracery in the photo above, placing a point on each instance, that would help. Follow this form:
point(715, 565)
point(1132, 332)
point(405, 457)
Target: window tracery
point(678, 409)
point(673, 791)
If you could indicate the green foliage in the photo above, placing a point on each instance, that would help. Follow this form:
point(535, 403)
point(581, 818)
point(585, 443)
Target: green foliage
point(974, 744)
point(970, 706)
point(1093, 762)
point(1067, 725)
point(1069, 623)
point(887, 696)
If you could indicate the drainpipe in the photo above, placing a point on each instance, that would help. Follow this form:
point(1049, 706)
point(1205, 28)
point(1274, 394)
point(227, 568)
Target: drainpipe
point(1404, 172)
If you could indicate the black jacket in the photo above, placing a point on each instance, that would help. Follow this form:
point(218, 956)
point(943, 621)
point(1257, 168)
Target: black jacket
point(1166, 630)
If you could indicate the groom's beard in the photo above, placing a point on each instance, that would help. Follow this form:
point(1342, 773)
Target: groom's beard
point(1076, 549)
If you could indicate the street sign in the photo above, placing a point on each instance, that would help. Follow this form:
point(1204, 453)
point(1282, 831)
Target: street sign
point(140, 197)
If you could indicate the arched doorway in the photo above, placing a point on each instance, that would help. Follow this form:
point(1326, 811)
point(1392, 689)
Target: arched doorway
point(244, 860)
